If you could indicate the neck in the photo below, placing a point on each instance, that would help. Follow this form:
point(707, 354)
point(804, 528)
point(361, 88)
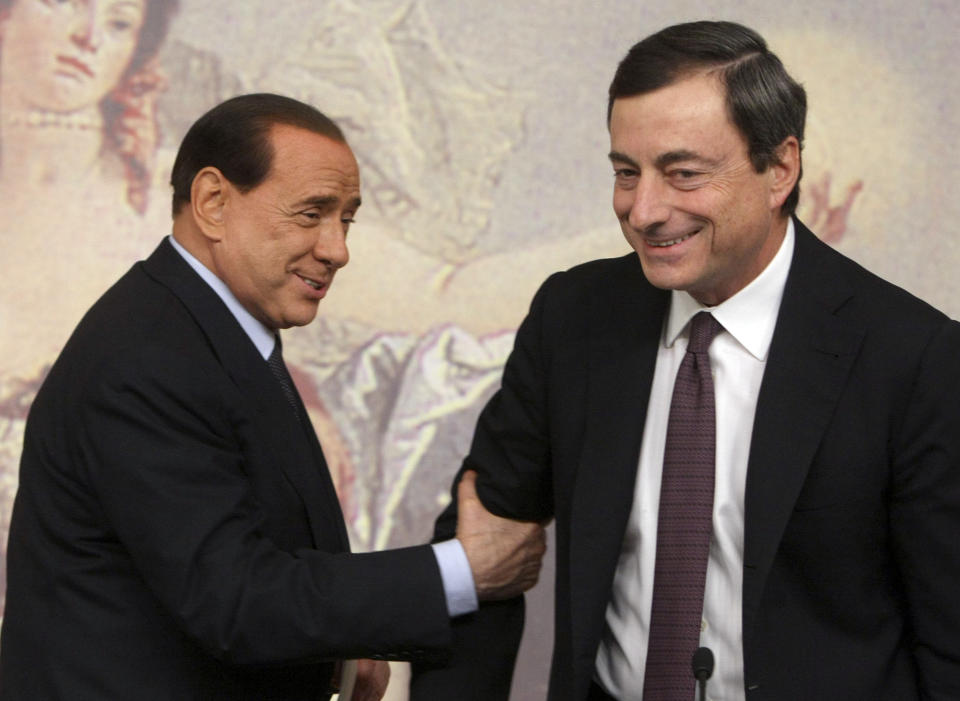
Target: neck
point(192, 239)
point(44, 147)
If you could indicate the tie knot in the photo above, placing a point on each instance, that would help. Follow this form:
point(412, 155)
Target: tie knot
point(703, 328)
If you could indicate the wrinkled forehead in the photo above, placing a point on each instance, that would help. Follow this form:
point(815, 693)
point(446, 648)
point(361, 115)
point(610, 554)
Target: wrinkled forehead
point(305, 161)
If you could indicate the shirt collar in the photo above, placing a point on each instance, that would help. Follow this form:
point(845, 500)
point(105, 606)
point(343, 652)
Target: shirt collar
point(262, 337)
point(751, 314)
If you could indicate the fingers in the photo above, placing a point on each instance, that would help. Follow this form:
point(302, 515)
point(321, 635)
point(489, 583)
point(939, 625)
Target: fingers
point(372, 679)
point(504, 555)
point(520, 570)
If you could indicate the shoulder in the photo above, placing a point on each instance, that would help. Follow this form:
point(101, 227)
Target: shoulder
point(608, 298)
point(138, 334)
point(599, 281)
point(825, 273)
point(897, 328)
point(624, 268)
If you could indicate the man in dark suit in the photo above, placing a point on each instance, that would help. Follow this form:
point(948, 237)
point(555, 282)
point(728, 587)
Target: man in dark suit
point(176, 534)
point(831, 562)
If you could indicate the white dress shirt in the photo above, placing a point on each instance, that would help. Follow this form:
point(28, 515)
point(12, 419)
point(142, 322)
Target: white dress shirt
point(458, 584)
point(738, 357)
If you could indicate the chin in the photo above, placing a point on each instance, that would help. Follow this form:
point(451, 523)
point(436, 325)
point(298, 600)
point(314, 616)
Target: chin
point(661, 277)
point(300, 319)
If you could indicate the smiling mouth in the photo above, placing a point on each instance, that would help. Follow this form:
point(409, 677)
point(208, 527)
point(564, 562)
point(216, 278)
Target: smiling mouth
point(315, 284)
point(671, 242)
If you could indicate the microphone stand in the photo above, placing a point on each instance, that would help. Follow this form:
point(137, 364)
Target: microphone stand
point(702, 669)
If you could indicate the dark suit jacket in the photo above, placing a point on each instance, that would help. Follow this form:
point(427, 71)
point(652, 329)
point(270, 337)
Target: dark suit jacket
point(852, 525)
point(176, 534)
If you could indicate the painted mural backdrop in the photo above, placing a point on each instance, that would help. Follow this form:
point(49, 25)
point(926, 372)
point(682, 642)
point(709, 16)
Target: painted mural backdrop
point(482, 145)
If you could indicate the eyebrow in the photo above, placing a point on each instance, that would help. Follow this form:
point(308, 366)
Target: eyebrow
point(325, 201)
point(682, 155)
point(129, 5)
point(666, 159)
point(623, 158)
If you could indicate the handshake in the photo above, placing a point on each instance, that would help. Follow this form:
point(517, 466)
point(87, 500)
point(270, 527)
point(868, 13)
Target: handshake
point(505, 555)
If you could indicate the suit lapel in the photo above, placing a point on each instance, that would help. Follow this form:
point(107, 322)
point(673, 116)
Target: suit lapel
point(622, 354)
point(298, 453)
point(330, 519)
point(810, 357)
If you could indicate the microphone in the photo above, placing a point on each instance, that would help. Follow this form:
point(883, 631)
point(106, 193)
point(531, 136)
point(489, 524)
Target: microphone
point(702, 668)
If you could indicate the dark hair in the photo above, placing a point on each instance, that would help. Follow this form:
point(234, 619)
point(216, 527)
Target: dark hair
point(763, 101)
point(156, 23)
point(234, 137)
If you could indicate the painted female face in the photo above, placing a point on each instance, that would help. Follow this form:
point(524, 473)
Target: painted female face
point(66, 55)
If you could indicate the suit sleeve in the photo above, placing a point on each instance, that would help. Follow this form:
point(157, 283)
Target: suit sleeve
point(925, 514)
point(165, 464)
point(511, 454)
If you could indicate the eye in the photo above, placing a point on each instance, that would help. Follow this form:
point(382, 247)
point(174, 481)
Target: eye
point(309, 217)
point(685, 177)
point(124, 23)
point(625, 177)
point(683, 173)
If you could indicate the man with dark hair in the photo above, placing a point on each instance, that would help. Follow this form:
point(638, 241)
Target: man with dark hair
point(749, 443)
point(176, 534)
point(235, 139)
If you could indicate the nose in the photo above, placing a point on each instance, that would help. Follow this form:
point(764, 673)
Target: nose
point(647, 204)
point(87, 32)
point(331, 247)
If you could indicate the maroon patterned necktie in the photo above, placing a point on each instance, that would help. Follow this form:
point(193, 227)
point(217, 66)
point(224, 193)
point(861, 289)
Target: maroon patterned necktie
point(684, 524)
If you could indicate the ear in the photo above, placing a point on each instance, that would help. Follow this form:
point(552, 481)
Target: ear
point(209, 194)
point(785, 172)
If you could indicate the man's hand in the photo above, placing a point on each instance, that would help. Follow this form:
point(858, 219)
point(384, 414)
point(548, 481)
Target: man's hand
point(372, 679)
point(504, 555)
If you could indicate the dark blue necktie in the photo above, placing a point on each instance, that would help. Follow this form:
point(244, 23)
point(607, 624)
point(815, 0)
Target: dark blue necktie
point(279, 370)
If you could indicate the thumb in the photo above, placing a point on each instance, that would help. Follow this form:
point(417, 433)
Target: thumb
point(467, 489)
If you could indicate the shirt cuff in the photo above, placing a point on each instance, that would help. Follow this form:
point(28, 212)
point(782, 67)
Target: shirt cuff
point(457, 577)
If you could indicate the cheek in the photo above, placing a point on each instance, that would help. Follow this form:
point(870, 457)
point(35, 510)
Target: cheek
point(255, 277)
point(622, 202)
point(114, 62)
point(32, 33)
point(20, 50)
point(271, 263)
